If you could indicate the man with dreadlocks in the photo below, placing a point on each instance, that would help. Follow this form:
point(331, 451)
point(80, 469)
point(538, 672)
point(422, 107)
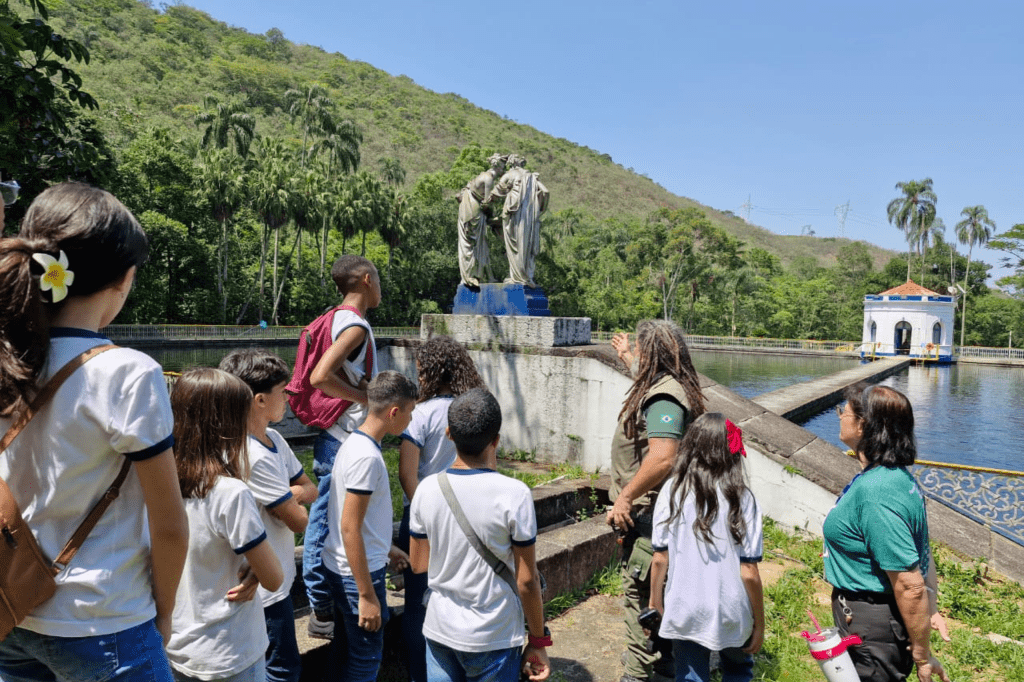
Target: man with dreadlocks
point(664, 399)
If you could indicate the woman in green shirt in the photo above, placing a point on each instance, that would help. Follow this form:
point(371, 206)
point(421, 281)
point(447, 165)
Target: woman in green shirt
point(876, 543)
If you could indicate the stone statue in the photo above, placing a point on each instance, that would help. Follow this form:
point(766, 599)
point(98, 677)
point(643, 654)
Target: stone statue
point(474, 257)
point(526, 198)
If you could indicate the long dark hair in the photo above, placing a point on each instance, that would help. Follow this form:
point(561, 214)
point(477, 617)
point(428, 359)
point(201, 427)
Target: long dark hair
point(442, 362)
point(211, 426)
point(888, 436)
point(662, 350)
point(101, 240)
point(704, 466)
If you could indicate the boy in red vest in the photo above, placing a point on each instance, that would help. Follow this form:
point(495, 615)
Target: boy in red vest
point(340, 376)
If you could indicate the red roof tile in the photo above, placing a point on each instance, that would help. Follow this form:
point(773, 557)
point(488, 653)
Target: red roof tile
point(910, 289)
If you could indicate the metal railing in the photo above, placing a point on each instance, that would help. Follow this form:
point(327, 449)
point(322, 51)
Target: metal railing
point(196, 332)
point(737, 342)
point(991, 353)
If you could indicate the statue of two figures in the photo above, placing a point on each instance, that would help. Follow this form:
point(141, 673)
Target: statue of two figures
point(526, 198)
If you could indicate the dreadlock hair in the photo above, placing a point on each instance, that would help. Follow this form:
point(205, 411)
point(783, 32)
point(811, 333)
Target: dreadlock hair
point(661, 350)
point(443, 363)
point(704, 466)
point(211, 427)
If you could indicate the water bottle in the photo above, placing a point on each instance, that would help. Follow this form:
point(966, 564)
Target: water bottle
point(829, 650)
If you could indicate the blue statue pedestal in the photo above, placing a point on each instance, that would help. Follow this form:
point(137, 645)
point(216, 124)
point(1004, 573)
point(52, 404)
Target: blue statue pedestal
point(501, 299)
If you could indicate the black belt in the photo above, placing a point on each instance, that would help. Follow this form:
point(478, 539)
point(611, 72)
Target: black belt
point(867, 597)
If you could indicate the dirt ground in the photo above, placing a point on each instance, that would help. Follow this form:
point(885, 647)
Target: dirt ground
point(588, 639)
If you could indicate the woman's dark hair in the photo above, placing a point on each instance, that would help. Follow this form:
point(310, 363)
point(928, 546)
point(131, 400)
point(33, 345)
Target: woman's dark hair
point(888, 436)
point(101, 240)
point(443, 363)
point(853, 394)
point(661, 350)
point(211, 418)
point(703, 466)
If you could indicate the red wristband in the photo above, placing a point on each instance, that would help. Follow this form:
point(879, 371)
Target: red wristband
point(540, 642)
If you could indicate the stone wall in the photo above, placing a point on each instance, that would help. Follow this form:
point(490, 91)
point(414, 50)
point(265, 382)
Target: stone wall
point(563, 403)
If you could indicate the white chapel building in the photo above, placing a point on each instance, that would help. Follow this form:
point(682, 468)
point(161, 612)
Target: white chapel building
point(909, 320)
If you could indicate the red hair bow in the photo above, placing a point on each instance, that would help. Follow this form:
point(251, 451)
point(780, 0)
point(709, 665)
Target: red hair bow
point(735, 436)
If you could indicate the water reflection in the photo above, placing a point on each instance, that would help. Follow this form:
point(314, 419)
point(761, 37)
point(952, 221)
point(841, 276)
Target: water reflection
point(751, 374)
point(964, 414)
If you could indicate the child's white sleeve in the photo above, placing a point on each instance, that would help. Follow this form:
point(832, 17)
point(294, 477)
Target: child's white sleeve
point(416, 432)
point(660, 532)
point(753, 543)
point(523, 519)
point(267, 479)
point(239, 517)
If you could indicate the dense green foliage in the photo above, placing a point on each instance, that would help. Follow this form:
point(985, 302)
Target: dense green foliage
point(254, 162)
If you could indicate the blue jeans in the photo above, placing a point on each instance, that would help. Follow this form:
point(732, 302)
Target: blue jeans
point(359, 652)
point(283, 661)
point(693, 663)
point(445, 664)
point(257, 672)
point(132, 655)
point(325, 448)
point(415, 613)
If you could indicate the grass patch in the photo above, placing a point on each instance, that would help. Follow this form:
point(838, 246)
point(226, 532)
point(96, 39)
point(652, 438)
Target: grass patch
point(974, 603)
point(605, 581)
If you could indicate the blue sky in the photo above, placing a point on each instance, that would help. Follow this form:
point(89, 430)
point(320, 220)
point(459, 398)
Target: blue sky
point(800, 106)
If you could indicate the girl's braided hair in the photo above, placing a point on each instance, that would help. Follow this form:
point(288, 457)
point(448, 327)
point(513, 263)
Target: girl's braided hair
point(445, 363)
point(661, 349)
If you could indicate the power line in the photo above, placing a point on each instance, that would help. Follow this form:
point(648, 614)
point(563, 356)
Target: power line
point(746, 210)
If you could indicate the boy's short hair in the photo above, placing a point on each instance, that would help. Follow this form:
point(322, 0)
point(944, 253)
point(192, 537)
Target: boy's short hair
point(474, 419)
point(260, 369)
point(390, 388)
point(348, 270)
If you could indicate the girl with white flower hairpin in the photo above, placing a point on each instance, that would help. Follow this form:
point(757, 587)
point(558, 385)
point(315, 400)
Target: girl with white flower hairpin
point(62, 279)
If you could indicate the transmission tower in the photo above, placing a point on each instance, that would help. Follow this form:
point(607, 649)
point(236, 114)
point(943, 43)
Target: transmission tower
point(841, 212)
point(746, 209)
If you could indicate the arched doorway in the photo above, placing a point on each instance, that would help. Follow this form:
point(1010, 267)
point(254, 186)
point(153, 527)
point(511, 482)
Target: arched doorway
point(874, 331)
point(937, 333)
point(901, 338)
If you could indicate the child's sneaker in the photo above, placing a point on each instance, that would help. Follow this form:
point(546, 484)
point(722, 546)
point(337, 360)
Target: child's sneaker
point(320, 625)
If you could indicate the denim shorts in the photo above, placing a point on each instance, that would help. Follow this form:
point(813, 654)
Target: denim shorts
point(132, 655)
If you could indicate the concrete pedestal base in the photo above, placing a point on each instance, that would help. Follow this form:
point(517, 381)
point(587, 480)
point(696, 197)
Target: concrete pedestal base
point(508, 330)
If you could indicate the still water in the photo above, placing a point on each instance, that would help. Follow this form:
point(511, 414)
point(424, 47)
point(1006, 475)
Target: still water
point(751, 374)
point(963, 414)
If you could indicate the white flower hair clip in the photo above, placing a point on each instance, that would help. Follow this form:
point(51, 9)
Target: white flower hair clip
point(56, 276)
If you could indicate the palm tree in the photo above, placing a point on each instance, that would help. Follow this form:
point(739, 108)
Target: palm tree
point(391, 171)
point(270, 191)
point(342, 146)
point(975, 228)
point(393, 228)
point(312, 108)
point(222, 182)
point(226, 123)
point(914, 212)
point(927, 236)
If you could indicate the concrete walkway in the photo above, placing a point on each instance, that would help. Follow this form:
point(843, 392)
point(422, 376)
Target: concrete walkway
point(810, 397)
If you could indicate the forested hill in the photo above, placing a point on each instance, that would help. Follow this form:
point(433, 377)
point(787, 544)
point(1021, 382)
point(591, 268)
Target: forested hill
point(153, 69)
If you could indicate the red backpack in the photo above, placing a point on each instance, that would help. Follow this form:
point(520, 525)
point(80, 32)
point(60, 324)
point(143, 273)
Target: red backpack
point(312, 406)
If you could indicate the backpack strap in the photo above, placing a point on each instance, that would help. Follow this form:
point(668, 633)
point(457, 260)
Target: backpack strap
point(41, 398)
point(499, 566)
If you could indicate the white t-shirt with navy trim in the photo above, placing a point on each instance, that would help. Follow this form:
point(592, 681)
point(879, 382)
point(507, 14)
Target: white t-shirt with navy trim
point(212, 638)
point(359, 468)
point(271, 473)
point(470, 608)
point(355, 371)
point(426, 431)
point(114, 406)
point(715, 610)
